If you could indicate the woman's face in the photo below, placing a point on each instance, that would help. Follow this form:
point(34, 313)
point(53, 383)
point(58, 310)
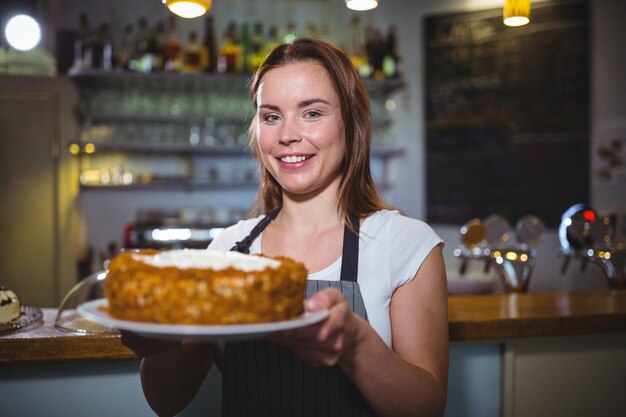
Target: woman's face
point(300, 130)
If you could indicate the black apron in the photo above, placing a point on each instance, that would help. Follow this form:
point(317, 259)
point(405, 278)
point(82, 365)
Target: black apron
point(265, 379)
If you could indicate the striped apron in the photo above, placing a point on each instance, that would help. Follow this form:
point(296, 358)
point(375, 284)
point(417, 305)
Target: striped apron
point(265, 379)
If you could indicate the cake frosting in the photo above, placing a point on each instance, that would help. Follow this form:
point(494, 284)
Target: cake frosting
point(195, 286)
point(207, 259)
point(9, 306)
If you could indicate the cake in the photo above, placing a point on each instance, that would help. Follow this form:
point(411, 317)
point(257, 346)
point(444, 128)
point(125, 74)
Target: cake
point(9, 306)
point(197, 286)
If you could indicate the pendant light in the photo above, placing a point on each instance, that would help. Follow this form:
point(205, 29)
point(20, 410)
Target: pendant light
point(516, 12)
point(361, 5)
point(22, 32)
point(188, 8)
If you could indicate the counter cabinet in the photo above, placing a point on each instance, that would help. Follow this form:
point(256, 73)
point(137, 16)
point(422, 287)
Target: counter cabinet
point(512, 355)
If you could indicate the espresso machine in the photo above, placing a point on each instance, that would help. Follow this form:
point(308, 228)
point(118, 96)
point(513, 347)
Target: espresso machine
point(179, 229)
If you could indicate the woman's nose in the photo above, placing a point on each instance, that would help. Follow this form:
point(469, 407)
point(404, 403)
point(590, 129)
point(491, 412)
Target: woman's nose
point(290, 133)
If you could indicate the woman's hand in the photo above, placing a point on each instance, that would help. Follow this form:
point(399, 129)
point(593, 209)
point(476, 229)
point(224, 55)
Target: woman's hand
point(171, 372)
point(324, 343)
point(145, 347)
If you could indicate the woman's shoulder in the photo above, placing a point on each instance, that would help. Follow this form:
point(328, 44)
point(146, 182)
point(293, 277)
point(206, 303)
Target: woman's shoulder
point(227, 237)
point(395, 222)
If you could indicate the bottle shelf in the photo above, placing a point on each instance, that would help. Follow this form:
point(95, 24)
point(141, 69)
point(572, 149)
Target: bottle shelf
point(187, 185)
point(99, 79)
point(84, 148)
point(185, 149)
point(223, 82)
point(174, 131)
point(173, 185)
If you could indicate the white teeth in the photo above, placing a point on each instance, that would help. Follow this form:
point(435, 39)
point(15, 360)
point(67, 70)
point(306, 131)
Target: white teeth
point(293, 159)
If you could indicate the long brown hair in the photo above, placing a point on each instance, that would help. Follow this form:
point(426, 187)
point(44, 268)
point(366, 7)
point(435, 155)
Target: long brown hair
point(357, 192)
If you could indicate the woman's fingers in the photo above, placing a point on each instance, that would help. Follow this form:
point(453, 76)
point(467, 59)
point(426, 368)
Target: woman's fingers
point(145, 347)
point(321, 344)
point(324, 300)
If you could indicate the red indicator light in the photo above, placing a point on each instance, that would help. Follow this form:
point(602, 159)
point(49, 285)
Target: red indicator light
point(589, 215)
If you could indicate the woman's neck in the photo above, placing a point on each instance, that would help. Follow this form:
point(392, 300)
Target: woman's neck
point(315, 212)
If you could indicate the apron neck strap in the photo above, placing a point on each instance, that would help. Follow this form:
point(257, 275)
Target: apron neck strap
point(243, 245)
point(350, 252)
point(350, 256)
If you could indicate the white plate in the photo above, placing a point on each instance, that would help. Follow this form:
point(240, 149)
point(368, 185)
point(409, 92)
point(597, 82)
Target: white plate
point(92, 311)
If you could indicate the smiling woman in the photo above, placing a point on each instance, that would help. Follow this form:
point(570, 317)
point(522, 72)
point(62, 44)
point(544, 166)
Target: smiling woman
point(379, 274)
point(299, 131)
point(331, 70)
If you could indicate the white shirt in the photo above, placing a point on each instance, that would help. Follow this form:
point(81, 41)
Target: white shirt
point(392, 248)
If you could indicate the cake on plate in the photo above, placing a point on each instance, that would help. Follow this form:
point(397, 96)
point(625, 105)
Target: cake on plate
point(9, 306)
point(197, 286)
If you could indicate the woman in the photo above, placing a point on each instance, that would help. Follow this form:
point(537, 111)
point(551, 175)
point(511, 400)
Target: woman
point(383, 350)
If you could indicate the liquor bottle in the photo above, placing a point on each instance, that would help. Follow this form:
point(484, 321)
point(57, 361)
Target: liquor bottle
point(123, 53)
point(229, 50)
point(139, 45)
point(325, 33)
point(172, 47)
point(97, 47)
point(374, 51)
point(141, 38)
point(82, 46)
point(107, 47)
point(257, 45)
point(210, 44)
point(192, 60)
point(153, 56)
point(356, 46)
point(272, 40)
point(391, 59)
point(291, 33)
point(245, 50)
point(310, 31)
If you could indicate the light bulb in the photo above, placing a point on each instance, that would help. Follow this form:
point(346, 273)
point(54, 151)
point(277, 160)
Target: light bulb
point(188, 8)
point(361, 5)
point(22, 32)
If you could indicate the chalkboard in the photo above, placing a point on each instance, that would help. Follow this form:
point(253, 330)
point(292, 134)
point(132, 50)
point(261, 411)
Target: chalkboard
point(507, 113)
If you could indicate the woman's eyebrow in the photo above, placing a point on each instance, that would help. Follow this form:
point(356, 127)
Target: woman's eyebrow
point(303, 103)
point(310, 101)
point(269, 106)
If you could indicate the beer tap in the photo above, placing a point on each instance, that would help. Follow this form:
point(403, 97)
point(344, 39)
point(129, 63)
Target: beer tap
point(585, 235)
point(489, 241)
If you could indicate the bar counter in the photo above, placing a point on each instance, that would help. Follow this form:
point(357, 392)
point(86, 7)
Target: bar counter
point(472, 318)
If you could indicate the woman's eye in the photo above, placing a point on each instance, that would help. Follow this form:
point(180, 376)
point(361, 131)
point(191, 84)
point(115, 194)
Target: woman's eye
point(270, 117)
point(311, 114)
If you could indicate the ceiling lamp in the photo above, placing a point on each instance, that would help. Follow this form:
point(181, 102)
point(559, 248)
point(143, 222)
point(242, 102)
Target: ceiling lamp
point(22, 32)
point(361, 5)
point(516, 12)
point(188, 8)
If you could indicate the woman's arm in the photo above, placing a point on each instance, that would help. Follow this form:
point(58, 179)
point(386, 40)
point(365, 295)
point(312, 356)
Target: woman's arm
point(171, 373)
point(411, 379)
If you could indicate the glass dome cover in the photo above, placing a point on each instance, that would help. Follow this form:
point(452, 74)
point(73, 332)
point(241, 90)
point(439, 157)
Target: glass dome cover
point(90, 288)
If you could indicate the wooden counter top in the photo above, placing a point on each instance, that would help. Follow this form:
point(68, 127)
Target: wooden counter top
point(507, 316)
point(42, 342)
point(471, 318)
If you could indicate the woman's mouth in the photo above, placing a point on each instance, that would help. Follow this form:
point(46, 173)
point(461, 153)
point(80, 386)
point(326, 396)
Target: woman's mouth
point(292, 159)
